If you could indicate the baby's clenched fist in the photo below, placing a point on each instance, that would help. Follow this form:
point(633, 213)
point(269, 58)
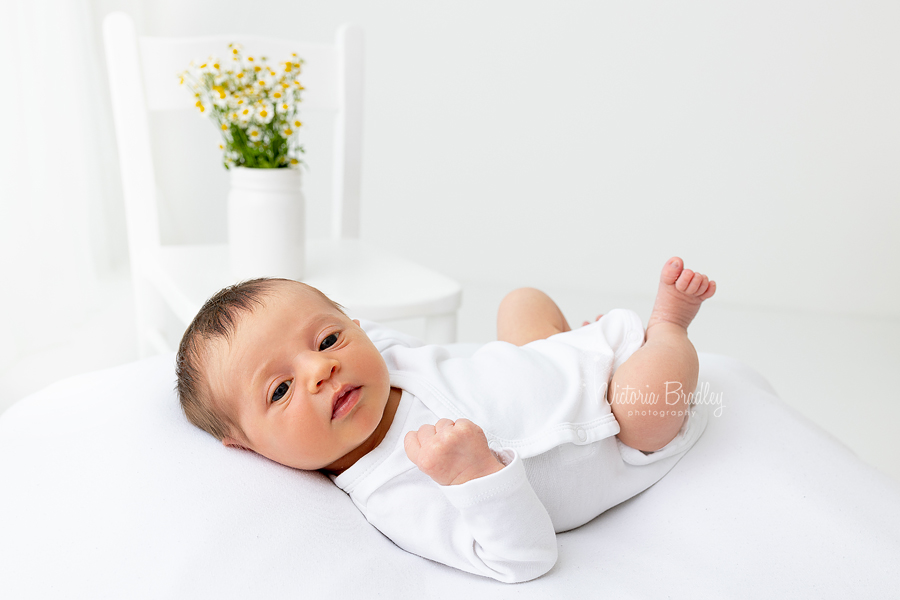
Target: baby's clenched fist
point(450, 452)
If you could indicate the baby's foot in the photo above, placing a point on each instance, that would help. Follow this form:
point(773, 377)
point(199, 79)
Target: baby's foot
point(681, 291)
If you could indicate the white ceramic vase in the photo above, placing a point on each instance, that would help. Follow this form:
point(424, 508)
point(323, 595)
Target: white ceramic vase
point(266, 223)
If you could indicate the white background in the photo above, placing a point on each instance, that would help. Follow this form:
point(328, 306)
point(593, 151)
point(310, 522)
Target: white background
point(572, 146)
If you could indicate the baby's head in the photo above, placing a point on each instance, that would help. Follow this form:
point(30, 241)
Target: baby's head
point(274, 366)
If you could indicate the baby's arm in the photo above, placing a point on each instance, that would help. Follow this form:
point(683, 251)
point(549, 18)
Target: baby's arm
point(464, 508)
point(451, 453)
point(494, 525)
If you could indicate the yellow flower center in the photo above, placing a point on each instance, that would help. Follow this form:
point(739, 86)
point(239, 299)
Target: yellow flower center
point(264, 113)
point(288, 131)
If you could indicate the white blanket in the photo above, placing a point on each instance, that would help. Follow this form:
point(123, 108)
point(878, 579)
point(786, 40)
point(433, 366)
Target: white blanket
point(107, 492)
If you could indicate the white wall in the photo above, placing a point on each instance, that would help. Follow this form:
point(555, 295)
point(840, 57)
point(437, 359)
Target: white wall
point(582, 143)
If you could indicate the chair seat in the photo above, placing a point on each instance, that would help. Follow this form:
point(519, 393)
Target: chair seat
point(369, 282)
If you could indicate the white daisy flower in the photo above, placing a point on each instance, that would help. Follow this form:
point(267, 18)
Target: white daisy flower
point(265, 112)
point(277, 94)
point(264, 84)
point(245, 114)
point(235, 50)
point(219, 96)
point(210, 65)
point(254, 134)
point(283, 108)
point(199, 102)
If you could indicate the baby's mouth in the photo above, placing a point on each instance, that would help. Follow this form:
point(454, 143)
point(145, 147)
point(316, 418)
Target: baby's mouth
point(344, 401)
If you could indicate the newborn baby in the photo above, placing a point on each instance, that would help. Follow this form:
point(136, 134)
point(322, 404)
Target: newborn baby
point(476, 461)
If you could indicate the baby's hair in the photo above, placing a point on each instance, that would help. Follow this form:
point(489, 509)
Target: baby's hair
point(217, 320)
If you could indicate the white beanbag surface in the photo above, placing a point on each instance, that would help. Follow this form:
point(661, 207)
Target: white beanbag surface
point(106, 491)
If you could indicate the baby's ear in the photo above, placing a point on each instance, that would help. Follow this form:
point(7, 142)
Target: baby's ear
point(232, 443)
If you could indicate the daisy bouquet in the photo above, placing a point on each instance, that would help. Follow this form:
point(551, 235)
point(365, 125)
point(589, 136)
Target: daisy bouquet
point(254, 105)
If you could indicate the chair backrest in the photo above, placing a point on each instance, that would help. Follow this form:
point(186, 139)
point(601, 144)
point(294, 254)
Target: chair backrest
point(142, 77)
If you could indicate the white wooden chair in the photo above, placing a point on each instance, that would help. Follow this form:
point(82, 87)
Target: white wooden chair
point(172, 282)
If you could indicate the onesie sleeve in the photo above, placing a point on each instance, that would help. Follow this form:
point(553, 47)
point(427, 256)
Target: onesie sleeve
point(493, 526)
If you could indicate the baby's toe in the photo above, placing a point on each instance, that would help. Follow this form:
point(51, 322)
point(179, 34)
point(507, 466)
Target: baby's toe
point(684, 280)
point(696, 282)
point(709, 291)
point(671, 270)
point(704, 285)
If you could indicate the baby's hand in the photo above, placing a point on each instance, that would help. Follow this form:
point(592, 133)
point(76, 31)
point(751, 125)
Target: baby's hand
point(451, 453)
point(588, 322)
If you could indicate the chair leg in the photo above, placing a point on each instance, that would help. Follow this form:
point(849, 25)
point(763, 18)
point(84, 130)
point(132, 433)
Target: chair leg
point(441, 329)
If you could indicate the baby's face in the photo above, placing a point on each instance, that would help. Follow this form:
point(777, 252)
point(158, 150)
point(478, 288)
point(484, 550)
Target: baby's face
point(303, 381)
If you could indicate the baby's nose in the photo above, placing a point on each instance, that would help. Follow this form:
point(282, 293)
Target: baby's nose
point(322, 376)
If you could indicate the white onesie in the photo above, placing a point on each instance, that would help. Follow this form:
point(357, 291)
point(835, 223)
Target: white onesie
point(544, 410)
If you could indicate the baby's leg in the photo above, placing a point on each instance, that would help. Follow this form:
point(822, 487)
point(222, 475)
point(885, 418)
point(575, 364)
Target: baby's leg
point(527, 314)
point(665, 367)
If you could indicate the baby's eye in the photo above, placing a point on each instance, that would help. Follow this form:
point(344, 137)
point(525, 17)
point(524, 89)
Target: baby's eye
point(328, 342)
point(280, 391)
